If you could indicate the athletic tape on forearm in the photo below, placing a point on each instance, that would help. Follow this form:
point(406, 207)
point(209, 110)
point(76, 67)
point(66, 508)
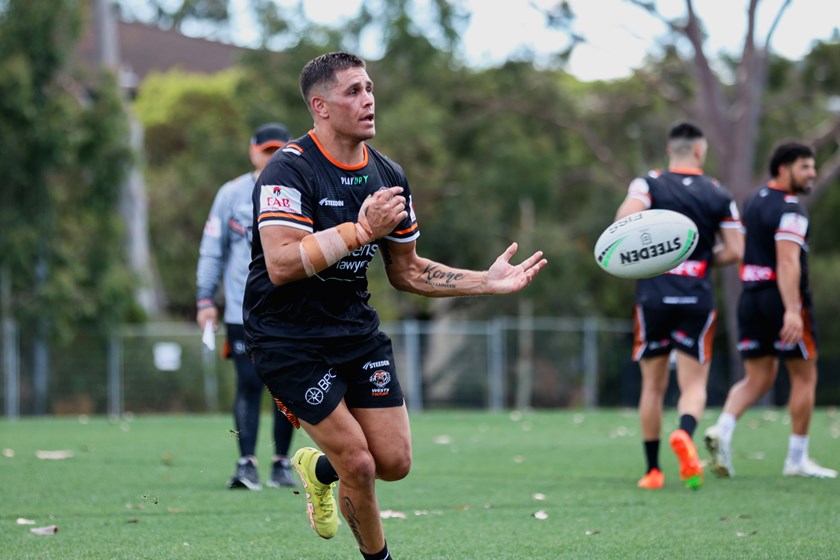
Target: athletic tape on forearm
point(322, 249)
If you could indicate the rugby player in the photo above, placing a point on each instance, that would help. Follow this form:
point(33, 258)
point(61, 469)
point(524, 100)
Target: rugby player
point(775, 313)
point(324, 206)
point(224, 256)
point(675, 311)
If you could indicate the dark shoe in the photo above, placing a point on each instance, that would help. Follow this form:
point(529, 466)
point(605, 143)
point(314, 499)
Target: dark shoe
point(281, 475)
point(246, 475)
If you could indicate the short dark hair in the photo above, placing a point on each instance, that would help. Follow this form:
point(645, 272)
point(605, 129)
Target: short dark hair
point(685, 131)
point(787, 153)
point(322, 69)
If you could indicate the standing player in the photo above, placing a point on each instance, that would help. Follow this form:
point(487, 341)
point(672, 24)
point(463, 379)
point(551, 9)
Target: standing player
point(676, 310)
point(775, 314)
point(224, 256)
point(324, 206)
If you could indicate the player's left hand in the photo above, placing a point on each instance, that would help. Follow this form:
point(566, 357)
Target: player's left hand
point(505, 278)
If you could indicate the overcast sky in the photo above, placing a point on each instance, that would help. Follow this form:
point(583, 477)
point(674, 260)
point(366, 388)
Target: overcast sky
point(618, 34)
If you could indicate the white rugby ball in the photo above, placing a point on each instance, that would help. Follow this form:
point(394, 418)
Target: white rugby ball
point(646, 243)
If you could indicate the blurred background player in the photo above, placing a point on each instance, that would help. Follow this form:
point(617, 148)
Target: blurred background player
point(775, 313)
point(676, 310)
point(224, 256)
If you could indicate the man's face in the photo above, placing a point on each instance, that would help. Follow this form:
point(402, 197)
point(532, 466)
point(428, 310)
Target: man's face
point(350, 104)
point(802, 172)
point(260, 158)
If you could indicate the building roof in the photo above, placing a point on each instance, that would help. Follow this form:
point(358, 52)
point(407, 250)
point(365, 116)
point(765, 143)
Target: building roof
point(146, 48)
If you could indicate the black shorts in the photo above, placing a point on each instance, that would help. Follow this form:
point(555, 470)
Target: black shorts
point(760, 318)
point(308, 381)
point(686, 328)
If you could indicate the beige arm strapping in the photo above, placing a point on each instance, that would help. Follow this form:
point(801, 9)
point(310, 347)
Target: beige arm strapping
point(322, 249)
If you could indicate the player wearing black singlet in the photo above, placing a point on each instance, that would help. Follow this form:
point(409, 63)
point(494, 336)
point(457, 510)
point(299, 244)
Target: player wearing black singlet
point(676, 310)
point(775, 314)
point(304, 189)
point(324, 206)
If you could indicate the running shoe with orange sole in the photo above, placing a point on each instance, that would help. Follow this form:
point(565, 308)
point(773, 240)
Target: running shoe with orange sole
point(653, 480)
point(691, 472)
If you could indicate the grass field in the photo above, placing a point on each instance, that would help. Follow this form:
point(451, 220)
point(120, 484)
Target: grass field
point(154, 488)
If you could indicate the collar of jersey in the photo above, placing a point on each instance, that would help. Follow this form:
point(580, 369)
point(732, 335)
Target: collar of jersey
point(335, 161)
point(774, 185)
point(686, 170)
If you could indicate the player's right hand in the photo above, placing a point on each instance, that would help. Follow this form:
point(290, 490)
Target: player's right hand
point(792, 327)
point(382, 211)
point(208, 314)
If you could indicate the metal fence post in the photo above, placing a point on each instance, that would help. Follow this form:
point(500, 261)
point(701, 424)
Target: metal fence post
point(11, 365)
point(115, 374)
point(496, 364)
point(414, 372)
point(590, 361)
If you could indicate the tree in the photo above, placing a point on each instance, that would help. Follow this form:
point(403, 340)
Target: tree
point(169, 15)
point(737, 97)
point(64, 153)
point(196, 139)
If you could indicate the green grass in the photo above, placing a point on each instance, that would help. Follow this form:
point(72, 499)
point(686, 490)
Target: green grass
point(154, 488)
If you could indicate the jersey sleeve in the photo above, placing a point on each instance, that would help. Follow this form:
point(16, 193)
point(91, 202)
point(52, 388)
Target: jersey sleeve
point(283, 196)
point(213, 248)
point(793, 223)
point(730, 216)
point(640, 190)
point(407, 230)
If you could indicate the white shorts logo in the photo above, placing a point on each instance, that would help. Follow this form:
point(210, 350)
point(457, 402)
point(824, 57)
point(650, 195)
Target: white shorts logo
point(314, 396)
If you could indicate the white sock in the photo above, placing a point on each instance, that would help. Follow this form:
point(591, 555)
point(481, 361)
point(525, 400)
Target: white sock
point(726, 425)
point(797, 448)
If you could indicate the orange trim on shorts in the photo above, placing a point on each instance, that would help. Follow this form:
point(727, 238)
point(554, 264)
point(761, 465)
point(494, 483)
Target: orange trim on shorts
point(288, 413)
point(709, 339)
point(808, 338)
point(638, 341)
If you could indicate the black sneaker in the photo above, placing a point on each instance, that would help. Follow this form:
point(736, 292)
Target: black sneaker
point(281, 474)
point(246, 475)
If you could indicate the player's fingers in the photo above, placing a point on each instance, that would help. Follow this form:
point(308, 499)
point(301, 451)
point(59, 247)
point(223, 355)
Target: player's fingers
point(509, 252)
point(533, 260)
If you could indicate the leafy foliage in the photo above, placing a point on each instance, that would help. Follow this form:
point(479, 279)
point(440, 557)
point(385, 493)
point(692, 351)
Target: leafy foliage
point(196, 140)
point(63, 159)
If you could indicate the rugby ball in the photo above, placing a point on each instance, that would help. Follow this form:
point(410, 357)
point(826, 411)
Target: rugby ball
point(645, 244)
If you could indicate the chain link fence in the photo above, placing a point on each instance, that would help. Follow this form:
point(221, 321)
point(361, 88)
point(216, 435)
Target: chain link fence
point(164, 368)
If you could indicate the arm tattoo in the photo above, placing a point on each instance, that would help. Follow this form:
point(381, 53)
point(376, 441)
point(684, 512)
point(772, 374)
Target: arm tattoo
point(435, 276)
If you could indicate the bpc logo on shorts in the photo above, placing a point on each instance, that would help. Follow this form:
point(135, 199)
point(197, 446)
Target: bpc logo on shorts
point(315, 395)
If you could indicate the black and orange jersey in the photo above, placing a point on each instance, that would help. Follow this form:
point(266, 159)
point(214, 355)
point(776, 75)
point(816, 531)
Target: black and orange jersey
point(303, 187)
point(770, 214)
point(711, 207)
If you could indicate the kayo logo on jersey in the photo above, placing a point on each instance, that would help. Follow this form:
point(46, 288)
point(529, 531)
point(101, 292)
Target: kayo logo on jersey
point(636, 255)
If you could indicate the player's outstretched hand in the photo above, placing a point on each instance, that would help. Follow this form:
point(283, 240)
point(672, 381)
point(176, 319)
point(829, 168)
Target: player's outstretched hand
point(505, 278)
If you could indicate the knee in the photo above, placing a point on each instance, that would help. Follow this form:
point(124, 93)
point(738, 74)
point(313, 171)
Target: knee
point(358, 467)
point(394, 467)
